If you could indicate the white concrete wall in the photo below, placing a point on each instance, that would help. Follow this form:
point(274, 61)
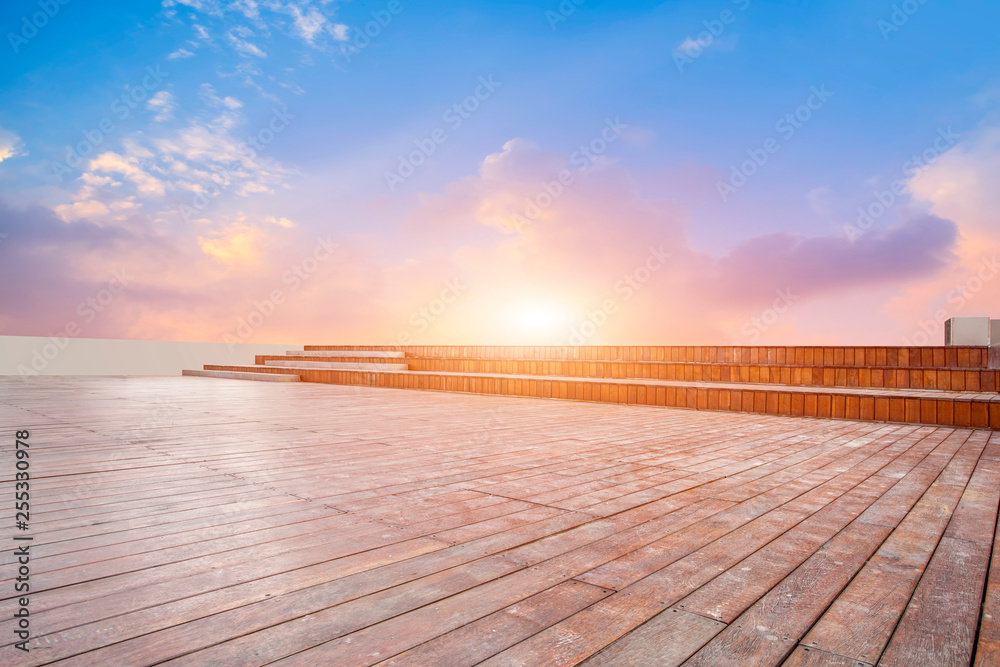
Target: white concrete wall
point(26, 355)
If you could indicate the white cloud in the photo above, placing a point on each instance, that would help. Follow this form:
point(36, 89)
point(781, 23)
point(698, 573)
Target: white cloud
point(340, 32)
point(87, 208)
point(281, 222)
point(10, 145)
point(114, 163)
point(162, 104)
point(237, 37)
point(180, 54)
point(308, 23)
point(98, 181)
point(207, 92)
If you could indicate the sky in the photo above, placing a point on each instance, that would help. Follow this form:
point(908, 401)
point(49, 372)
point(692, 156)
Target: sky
point(735, 172)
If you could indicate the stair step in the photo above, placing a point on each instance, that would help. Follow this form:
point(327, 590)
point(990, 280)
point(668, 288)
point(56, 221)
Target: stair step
point(952, 379)
point(374, 354)
point(337, 365)
point(909, 406)
point(866, 356)
point(243, 375)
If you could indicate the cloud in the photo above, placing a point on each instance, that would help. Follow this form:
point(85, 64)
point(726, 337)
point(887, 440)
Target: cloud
point(237, 244)
point(10, 145)
point(162, 104)
point(180, 54)
point(587, 242)
point(207, 92)
point(584, 241)
point(919, 247)
point(964, 184)
point(87, 208)
point(308, 22)
point(340, 32)
point(281, 222)
point(129, 167)
point(237, 37)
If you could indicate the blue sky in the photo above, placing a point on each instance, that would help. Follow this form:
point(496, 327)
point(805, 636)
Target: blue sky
point(697, 84)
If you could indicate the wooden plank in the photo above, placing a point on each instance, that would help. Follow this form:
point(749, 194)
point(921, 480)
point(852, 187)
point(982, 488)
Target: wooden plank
point(803, 656)
point(770, 629)
point(666, 640)
point(861, 620)
point(940, 622)
point(474, 642)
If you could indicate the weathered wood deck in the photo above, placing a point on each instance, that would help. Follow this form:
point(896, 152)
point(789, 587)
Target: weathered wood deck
point(192, 521)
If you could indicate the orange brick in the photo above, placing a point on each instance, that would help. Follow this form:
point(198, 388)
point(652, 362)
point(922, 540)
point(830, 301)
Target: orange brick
point(897, 410)
point(972, 381)
point(946, 412)
point(980, 414)
point(839, 409)
point(928, 411)
point(963, 413)
point(811, 405)
point(825, 406)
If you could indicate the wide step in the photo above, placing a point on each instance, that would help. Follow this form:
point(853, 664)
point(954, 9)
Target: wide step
point(946, 386)
point(243, 375)
point(335, 354)
point(337, 365)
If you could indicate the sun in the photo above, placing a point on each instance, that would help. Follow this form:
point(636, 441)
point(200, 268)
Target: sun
point(541, 321)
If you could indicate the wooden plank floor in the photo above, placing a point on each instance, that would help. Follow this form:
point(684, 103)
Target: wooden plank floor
point(195, 521)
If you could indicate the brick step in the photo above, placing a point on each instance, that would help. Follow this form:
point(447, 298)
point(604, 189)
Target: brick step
point(872, 357)
point(352, 354)
point(262, 358)
point(949, 379)
point(242, 375)
point(911, 406)
point(336, 365)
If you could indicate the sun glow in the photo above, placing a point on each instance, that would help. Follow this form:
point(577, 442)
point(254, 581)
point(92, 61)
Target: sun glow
point(546, 322)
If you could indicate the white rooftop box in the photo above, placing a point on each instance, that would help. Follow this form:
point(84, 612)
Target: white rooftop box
point(969, 331)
